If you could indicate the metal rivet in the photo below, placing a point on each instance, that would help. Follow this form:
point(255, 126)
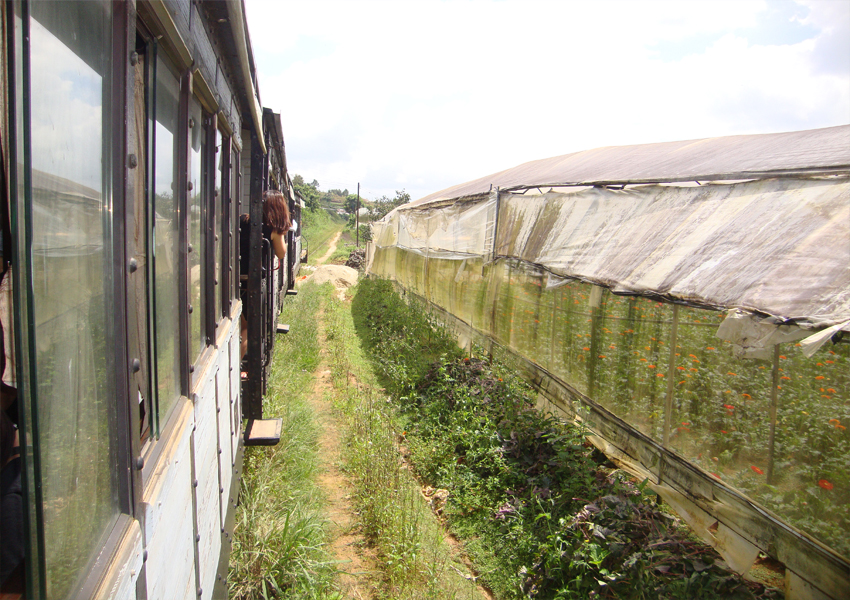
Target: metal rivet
point(140, 463)
point(200, 590)
point(191, 367)
point(195, 483)
point(191, 122)
point(190, 186)
point(216, 237)
point(190, 248)
point(132, 161)
point(220, 490)
point(137, 365)
point(198, 539)
point(134, 58)
point(144, 556)
point(132, 265)
point(190, 309)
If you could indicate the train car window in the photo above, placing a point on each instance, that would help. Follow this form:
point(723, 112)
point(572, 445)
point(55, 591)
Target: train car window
point(197, 299)
point(166, 237)
point(217, 220)
point(72, 283)
point(235, 196)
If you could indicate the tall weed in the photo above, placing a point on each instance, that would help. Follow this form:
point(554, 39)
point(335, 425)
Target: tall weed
point(542, 513)
point(278, 543)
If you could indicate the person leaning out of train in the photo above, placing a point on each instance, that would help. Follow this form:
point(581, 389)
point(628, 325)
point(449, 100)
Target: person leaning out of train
point(276, 224)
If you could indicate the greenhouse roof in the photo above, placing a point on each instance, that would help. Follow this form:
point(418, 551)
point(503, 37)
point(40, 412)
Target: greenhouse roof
point(796, 153)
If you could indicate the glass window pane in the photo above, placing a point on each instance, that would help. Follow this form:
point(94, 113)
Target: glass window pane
point(72, 282)
point(197, 331)
point(217, 220)
point(166, 257)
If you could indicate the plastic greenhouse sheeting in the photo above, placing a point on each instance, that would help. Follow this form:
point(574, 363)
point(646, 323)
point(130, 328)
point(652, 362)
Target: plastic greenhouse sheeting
point(691, 327)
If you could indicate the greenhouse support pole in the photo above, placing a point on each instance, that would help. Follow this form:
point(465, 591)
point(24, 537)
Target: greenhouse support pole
point(774, 399)
point(671, 376)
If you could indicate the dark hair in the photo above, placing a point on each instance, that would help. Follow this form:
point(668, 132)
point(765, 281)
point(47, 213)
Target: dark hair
point(276, 211)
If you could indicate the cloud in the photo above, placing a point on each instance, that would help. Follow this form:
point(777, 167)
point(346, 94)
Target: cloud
point(428, 94)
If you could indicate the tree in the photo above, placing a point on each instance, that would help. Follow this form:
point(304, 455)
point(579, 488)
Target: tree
point(350, 204)
point(383, 205)
point(308, 192)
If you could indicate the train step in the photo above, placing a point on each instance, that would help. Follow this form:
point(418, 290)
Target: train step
point(263, 432)
point(291, 292)
point(281, 328)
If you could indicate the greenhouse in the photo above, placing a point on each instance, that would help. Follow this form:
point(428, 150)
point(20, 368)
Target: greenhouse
point(687, 302)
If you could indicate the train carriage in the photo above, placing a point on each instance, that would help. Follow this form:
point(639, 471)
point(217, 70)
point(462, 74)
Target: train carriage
point(132, 141)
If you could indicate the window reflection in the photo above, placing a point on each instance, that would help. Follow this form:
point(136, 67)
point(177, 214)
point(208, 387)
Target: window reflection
point(197, 331)
point(166, 280)
point(71, 271)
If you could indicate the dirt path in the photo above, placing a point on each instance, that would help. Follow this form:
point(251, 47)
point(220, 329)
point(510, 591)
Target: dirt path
point(357, 567)
point(331, 249)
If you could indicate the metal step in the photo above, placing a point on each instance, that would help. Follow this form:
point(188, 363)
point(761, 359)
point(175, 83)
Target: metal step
point(281, 328)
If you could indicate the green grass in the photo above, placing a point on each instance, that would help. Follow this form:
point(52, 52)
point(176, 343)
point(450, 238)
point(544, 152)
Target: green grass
point(319, 229)
point(415, 561)
point(542, 513)
point(279, 539)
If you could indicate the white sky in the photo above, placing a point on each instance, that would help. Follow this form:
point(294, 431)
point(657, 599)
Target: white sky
point(422, 95)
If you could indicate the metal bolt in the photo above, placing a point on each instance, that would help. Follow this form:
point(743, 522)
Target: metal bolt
point(195, 483)
point(132, 161)
point(140, 463)
point(190, 186)
point(190, 309)
point(191, 367)
point(191, 122)
point(132, 265)
point(137, 366)
point(144, 556)
point(134, 58)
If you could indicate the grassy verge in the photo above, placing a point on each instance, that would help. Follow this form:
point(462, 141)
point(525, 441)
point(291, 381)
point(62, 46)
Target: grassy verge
point(278, 545)
point(319, 229)
point(542, 513)
point(415, 560)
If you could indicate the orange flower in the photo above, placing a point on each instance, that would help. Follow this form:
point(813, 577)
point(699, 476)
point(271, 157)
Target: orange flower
point(695, 360)
point(747, 396)
point(728, 407)
point(783, 357)
point(820, 364)
point(681, 382)
point(643, 360)
point(829, 362)
point(830, 390)
point(819, 377)
point(716, 475)
point(685, 423)
point(785, 377)
point(681, 368)
point(723, 431)
point(601, 356)
point(834, 422)
point(651, 366)
point(709, 348)
point(841, 427)
point(694, 369)
point(731, 373)
point(757, 470)
point(659, 374)
point(825, 484)
point(585, 348)
point(692, 355)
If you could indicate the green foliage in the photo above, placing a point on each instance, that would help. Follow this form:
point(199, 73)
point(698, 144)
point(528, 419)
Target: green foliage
point(278, 542)
point(383, 205)
point(351, 202)
point(414, 560)
point(543, 515)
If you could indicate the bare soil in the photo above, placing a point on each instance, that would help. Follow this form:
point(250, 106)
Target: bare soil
point(358, 575)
